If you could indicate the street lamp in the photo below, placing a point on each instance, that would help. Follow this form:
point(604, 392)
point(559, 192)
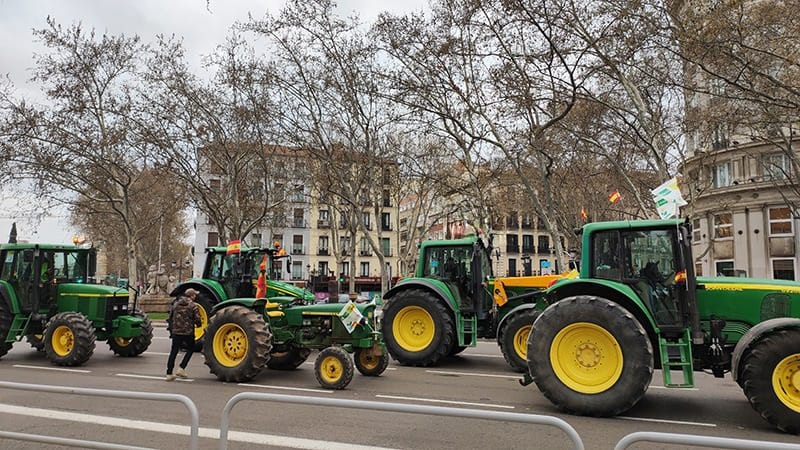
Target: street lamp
point(180, 266)
point(526, 265)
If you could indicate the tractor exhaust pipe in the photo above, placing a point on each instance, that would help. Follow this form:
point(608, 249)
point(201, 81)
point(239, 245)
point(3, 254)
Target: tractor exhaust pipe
point(12, 237)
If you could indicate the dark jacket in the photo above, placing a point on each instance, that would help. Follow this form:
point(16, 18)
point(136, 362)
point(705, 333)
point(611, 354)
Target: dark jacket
point(184, 316)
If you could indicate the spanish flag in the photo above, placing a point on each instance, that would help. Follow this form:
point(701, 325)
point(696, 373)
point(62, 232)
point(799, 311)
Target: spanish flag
point(680, 277)
point(615, 197)
point(234, 247)
point(584, 214)
point(261, 286)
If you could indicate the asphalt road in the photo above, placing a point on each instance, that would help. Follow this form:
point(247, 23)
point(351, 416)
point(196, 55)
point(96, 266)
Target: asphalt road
point(478, 378)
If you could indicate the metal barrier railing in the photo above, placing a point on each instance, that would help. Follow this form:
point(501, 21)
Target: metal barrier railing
point(193, 434)
point(394, 407)
point(79, 443)
point(701, 441)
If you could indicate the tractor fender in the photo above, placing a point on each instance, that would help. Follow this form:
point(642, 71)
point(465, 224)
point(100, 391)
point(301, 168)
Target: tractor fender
point(753, 334)
point(511, 313)
point(211, 288)
point(435, 287)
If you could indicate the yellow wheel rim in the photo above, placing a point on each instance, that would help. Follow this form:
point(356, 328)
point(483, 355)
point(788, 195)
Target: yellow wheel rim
point(521, 341)
point(786, 381)
point(413, 328)
point(63, 340)
point(586, 358)
point(368, 361)
point(331, 369)
point(201, 330)
point(230, 345)
point(123, 342)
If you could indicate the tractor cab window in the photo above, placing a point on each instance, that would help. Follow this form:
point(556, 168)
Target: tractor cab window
point(448, 263)
point(606, 255)
point(70, 267)
point(651, 262)
point(215, 266)
point(8, 269)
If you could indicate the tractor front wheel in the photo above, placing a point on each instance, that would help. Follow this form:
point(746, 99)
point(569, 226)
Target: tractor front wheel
point(5, 327)
point(590, 356)
point(69, 339)
point(237, 344)
point(369, 363)
point(514, 338)
point(134, 346)
point(418, 328)
point(770, 378)
point(288, 360)
point(333, 368)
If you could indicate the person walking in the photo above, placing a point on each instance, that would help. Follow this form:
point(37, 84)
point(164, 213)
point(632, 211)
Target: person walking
point(184, 316)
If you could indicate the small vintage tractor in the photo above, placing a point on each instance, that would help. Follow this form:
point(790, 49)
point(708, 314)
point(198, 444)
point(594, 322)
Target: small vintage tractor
point(245, 335)
point(637, 306)
point(47, 295)
point(229, 275)
point(452, 301)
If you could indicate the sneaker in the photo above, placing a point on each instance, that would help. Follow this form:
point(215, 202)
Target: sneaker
point(180, 372)
point(170, 377)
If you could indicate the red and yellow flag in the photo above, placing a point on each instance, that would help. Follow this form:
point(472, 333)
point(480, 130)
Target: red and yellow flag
point(584, 214)
point(615, 197)
point(234, 247)
point(261, 286)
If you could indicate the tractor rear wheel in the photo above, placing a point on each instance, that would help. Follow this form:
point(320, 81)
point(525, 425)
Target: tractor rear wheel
point(5, 326)
point(514, 338)
point(237, 344)
point(134, 346)
point(418, 328)
point(69, 339)
point(205, 303)
point(590, 356)
point(370, 364)
point(333, 368)
point(36, 341)
point(771, 378)
point(288, 360)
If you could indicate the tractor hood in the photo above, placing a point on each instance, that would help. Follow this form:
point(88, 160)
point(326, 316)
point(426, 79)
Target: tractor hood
point(91, 290)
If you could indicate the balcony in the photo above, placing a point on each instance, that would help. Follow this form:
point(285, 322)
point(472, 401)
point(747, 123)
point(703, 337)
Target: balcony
point(323, 223)
point(528, 249)
point(323, 252)
point(365, 252)
point(512, 248)
point(386, 227)
point(297, 251)
point(544, 250)
point(298, 223)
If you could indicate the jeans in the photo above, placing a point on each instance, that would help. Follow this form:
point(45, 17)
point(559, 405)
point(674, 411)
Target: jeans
point(178, 341)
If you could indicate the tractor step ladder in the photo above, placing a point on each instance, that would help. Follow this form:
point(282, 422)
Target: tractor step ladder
point(682, 360)
point(469, 326)
point(18, 327)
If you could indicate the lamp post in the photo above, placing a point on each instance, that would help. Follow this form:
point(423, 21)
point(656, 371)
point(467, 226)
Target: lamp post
point(526, 265)
point(180, 266)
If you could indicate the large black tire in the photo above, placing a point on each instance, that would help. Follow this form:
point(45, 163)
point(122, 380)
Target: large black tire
point(418, 328)
point(5, 326)
point(513, 338)
point(288, 360)
point(456, 349)
point(137, 345)
point(369, 364)
point(602, 359)
point(237, 344)
point(36, 341)
point(69, 339)
point(333, 368)
point(770, 378)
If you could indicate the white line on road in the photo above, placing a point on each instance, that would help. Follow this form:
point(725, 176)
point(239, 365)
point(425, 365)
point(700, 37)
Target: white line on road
point(673, 389)
point(60, 369)
point(473, 374)
point(184, 430)
point(482, 355)
point(452, 402)
point(149, 377)
point(159, 353)
point(676, 422)
point(286, 388)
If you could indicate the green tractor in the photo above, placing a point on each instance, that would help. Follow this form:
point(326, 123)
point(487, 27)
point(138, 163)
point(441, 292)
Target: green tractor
point(47, 296)
point(234, 275)
point(452, 300)
point(245, 335)
point(637, 306)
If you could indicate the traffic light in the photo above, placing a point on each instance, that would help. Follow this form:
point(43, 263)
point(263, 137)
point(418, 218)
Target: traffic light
point(341, 277)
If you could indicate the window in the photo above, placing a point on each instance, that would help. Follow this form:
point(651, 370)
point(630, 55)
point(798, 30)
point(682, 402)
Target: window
point(298, 218)
point(344, 244)
point(346, 268)
point(255, 240)
point(527, 243)
point(777, 166)
point(324, 214)
point(780, 222)
point(213, 239)
point(297, 270)
point(387, 198)
point(512, 267)
point(324, 270)
point(696, 231)
point(512, 243)
point(364, 248)
point(544, 243)
point(722, 175)
point(719, 139)
point(783, 269)
point(386, 247)
point(698, 270)
point(297, 244)
point(277, 238)
point(605, 255)
point(724, 268)
point(298, 196)
point(363, 269)
point(723, 226)
point(366, 217)
point(323, 245)
point(386, 222)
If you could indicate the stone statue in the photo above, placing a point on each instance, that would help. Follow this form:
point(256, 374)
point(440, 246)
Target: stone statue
point(173, 283)
point(163, 281)
point(151, 281)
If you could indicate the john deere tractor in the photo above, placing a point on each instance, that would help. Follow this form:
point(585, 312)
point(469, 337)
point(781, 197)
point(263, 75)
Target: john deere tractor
point(452, 300)
point(47, 295)
point(637, 306)
point(245, 335)
point(234, 275)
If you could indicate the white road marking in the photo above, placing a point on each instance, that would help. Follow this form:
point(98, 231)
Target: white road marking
point(286, 388)
point(482, 355)
point(59, 369)
point(677, 422)
point(673, 389)
point(452, 402)
point(473, 374)
point(149, 377)
point(159, 353)
point(184, 430)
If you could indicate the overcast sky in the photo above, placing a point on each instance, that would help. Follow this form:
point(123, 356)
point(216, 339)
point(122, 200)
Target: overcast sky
point(202, 28)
